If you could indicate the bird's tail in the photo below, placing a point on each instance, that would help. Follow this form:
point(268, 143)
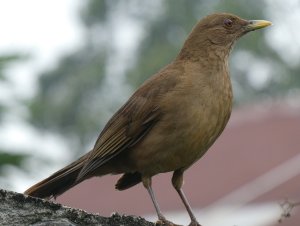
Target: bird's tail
point(58, 182)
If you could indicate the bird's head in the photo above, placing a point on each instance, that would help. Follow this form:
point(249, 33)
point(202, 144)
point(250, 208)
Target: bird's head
point(220, 30)
point(225, 28)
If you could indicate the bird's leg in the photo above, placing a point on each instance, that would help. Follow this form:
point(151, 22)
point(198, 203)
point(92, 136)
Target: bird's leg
point(147, 184)
point(177, 181)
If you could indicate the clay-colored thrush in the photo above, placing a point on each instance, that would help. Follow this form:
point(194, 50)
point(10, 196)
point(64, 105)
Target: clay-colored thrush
point(170, 121)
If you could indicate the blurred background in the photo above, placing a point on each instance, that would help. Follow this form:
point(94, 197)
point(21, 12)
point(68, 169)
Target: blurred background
point(67, 66)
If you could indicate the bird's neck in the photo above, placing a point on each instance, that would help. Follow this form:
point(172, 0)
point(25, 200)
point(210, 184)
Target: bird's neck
point(204, 51)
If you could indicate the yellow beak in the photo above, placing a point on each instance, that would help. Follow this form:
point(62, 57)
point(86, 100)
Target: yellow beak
point(257, 24)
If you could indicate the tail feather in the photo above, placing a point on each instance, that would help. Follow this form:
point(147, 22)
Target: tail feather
point(58, 182)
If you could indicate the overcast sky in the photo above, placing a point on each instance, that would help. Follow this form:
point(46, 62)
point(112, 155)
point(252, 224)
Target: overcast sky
point(43, 29)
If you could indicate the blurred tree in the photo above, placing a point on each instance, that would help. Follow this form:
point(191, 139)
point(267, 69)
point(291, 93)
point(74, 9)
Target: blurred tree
point(6, 156)
point(73, 98)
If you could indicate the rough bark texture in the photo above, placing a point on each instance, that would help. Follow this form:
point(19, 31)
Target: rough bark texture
point(18, 209)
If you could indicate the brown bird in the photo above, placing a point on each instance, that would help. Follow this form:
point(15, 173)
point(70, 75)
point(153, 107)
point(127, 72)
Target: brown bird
point(170, 121)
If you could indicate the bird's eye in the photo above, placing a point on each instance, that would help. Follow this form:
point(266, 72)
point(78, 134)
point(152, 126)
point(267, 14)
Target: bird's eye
point(228, 23)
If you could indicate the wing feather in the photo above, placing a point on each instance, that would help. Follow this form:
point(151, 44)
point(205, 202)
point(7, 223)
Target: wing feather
point(131, 123)
point(125, 129)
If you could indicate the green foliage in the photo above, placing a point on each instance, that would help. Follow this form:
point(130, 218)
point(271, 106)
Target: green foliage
point(5, 62)
point(67, 94)
point(95, 11)
point(7, 158)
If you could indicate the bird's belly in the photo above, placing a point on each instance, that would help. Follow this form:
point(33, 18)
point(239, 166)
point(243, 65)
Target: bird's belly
point(180, 143)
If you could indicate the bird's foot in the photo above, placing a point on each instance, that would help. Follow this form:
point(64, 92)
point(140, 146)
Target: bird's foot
point(164, 222)
point(194, 223)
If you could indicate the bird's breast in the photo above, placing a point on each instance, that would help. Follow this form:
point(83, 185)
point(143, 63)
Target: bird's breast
point(193, 118)
point(202, 121)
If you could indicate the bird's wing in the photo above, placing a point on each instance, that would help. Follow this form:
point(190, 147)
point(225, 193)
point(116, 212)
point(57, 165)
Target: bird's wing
point(126, 128)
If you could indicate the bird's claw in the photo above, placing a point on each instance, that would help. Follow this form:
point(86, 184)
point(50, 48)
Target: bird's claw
point(194, 223)
point(164, 222)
